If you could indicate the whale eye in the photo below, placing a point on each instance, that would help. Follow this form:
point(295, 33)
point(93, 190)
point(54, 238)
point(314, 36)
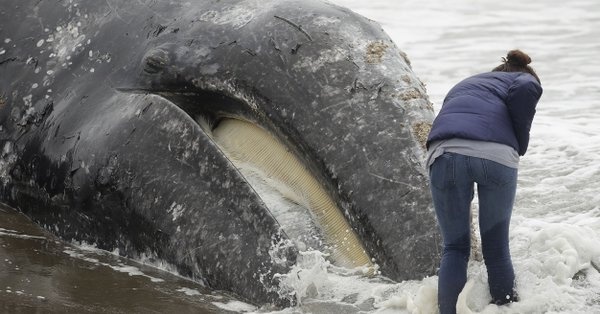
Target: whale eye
point(267, 164)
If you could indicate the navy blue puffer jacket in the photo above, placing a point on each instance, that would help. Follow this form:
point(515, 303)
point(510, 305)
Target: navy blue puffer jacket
point(493, 106)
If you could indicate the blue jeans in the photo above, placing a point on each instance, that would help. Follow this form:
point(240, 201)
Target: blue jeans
point(453, 177)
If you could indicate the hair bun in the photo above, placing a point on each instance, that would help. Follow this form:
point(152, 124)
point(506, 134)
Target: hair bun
point(518, 58)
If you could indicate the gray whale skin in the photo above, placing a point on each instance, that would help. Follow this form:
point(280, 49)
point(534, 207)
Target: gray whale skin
point(99, 110)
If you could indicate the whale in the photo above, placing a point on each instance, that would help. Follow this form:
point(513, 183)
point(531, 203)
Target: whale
point(161, 130)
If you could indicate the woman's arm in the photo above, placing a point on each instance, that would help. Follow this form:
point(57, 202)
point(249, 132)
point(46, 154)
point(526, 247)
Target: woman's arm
point(523, 96)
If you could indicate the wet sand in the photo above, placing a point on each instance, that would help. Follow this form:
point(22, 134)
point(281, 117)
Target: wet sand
point(41, 274)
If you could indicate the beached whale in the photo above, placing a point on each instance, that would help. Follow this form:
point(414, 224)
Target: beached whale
point(152, 128)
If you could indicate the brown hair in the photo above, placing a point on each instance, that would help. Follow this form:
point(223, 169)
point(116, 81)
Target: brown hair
point(516, 61)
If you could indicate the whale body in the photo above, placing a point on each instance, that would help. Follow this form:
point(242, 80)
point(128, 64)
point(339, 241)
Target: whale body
point(123, 124)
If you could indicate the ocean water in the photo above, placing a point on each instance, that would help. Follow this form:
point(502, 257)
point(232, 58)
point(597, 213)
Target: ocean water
point(555, 230)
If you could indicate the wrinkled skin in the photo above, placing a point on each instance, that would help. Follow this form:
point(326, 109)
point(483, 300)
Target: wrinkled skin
point(99, 142)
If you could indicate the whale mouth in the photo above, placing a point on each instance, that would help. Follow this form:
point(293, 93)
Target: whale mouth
point(311, 218)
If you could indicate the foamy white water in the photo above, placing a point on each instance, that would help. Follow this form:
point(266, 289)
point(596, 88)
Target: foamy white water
point(555, 230)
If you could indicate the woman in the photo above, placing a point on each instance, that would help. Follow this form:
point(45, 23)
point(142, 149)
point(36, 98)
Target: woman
point(478, 136)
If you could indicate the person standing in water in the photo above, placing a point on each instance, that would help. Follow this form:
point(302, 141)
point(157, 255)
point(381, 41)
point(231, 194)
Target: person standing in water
point(477, 138)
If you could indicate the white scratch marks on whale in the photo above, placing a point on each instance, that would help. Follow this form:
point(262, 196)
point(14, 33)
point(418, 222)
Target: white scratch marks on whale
point(176, 210)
